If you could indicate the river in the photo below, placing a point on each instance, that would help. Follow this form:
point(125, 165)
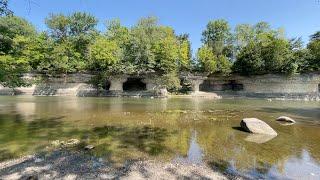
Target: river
point(198, 131)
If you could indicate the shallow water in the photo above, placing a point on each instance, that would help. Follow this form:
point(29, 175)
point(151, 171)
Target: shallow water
point(178, 129)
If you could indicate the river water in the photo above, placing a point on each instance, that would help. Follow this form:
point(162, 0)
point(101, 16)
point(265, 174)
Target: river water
point(186, 130)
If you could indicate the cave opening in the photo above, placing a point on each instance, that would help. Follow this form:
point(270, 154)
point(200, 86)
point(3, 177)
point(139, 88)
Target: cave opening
point(232, 86)
point(207, 86)
point(134, 84)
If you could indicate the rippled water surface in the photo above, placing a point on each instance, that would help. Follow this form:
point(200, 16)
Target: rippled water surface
point(184, 130)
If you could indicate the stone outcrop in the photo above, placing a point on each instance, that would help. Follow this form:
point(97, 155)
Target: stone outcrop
point(297, 87)
point(116, 83)
point(257, 126)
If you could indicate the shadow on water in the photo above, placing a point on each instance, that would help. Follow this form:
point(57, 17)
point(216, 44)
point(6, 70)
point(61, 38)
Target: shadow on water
point(18, 135)
point(239, 129)
point(146, 139)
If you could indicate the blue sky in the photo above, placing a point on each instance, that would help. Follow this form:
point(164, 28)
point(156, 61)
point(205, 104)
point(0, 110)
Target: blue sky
point(300, 18)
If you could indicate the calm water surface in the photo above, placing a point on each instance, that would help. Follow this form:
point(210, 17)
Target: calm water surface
point(184, 130)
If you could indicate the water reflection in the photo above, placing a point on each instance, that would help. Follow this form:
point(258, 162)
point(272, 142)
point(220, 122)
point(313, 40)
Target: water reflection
point(195, 152)
point(299, 167)
point(259, 138)
point(194, 130)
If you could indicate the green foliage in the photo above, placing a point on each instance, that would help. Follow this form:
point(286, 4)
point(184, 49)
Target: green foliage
point(166, 52)
point(13, 64)
point(312, 63)
point(315, 36)
point(72, 44)
point(223, 65)
point(262, 50)
point(11, 71)
point(10, 27)
point(268, 54)
point(117, 32)
point(104, 53)
point(208, 61)
point(218, 39)
point(72, 36)
point(217, 36)
point(140, 48)
point(185, 54)
point(58, 25)
point(4, 11)
point(171, 81)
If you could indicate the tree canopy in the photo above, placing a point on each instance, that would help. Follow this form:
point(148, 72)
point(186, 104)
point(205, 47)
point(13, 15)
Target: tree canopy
point(72, 44)
point(4, 11)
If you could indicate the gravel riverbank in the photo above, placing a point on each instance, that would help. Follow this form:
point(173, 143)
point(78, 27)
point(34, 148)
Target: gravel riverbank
point(79, 165)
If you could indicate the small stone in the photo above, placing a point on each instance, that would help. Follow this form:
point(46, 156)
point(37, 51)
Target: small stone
point(57, 143)
point(89, 147)
point(30, 177)
point(38, 160)
point(285, 119)
point(72, 142)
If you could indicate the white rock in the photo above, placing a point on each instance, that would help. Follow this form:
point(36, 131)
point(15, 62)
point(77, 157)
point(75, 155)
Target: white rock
point(257, 126)
point(285, 119)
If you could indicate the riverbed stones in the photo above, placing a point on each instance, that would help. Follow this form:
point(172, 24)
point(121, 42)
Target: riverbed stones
point(64, 144)
point(257, 126)
point(285, 119)
point(72, 142)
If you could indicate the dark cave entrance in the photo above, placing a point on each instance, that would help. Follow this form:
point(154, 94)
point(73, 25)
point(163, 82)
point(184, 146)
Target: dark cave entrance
point(134, 84)
point(232, 86)
point(207, 86)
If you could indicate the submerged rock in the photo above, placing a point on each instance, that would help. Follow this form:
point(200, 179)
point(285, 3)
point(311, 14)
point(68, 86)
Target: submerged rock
point(257, 126)
point(64, 144)
point(89, 147)
point(57, 143)
point(72, 142)
point(286, 119)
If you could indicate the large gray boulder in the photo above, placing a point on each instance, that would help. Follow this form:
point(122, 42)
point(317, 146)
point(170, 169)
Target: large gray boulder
point(256, 126)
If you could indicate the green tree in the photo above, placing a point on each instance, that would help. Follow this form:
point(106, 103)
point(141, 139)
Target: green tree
point(117, 32)
point(10, 27)
point(58, 25)
point(244, 33)
point(82, 32)
point(217, 37)
point(166, 52)
point(4, 11)
point(104, 53)
point(73, 35)
point(12, 70)
point(185, 54)
point(315, 36)
point(139, 50)
point(267, 55)
point(311, 60)
point(12, 64)
point(208, 61)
